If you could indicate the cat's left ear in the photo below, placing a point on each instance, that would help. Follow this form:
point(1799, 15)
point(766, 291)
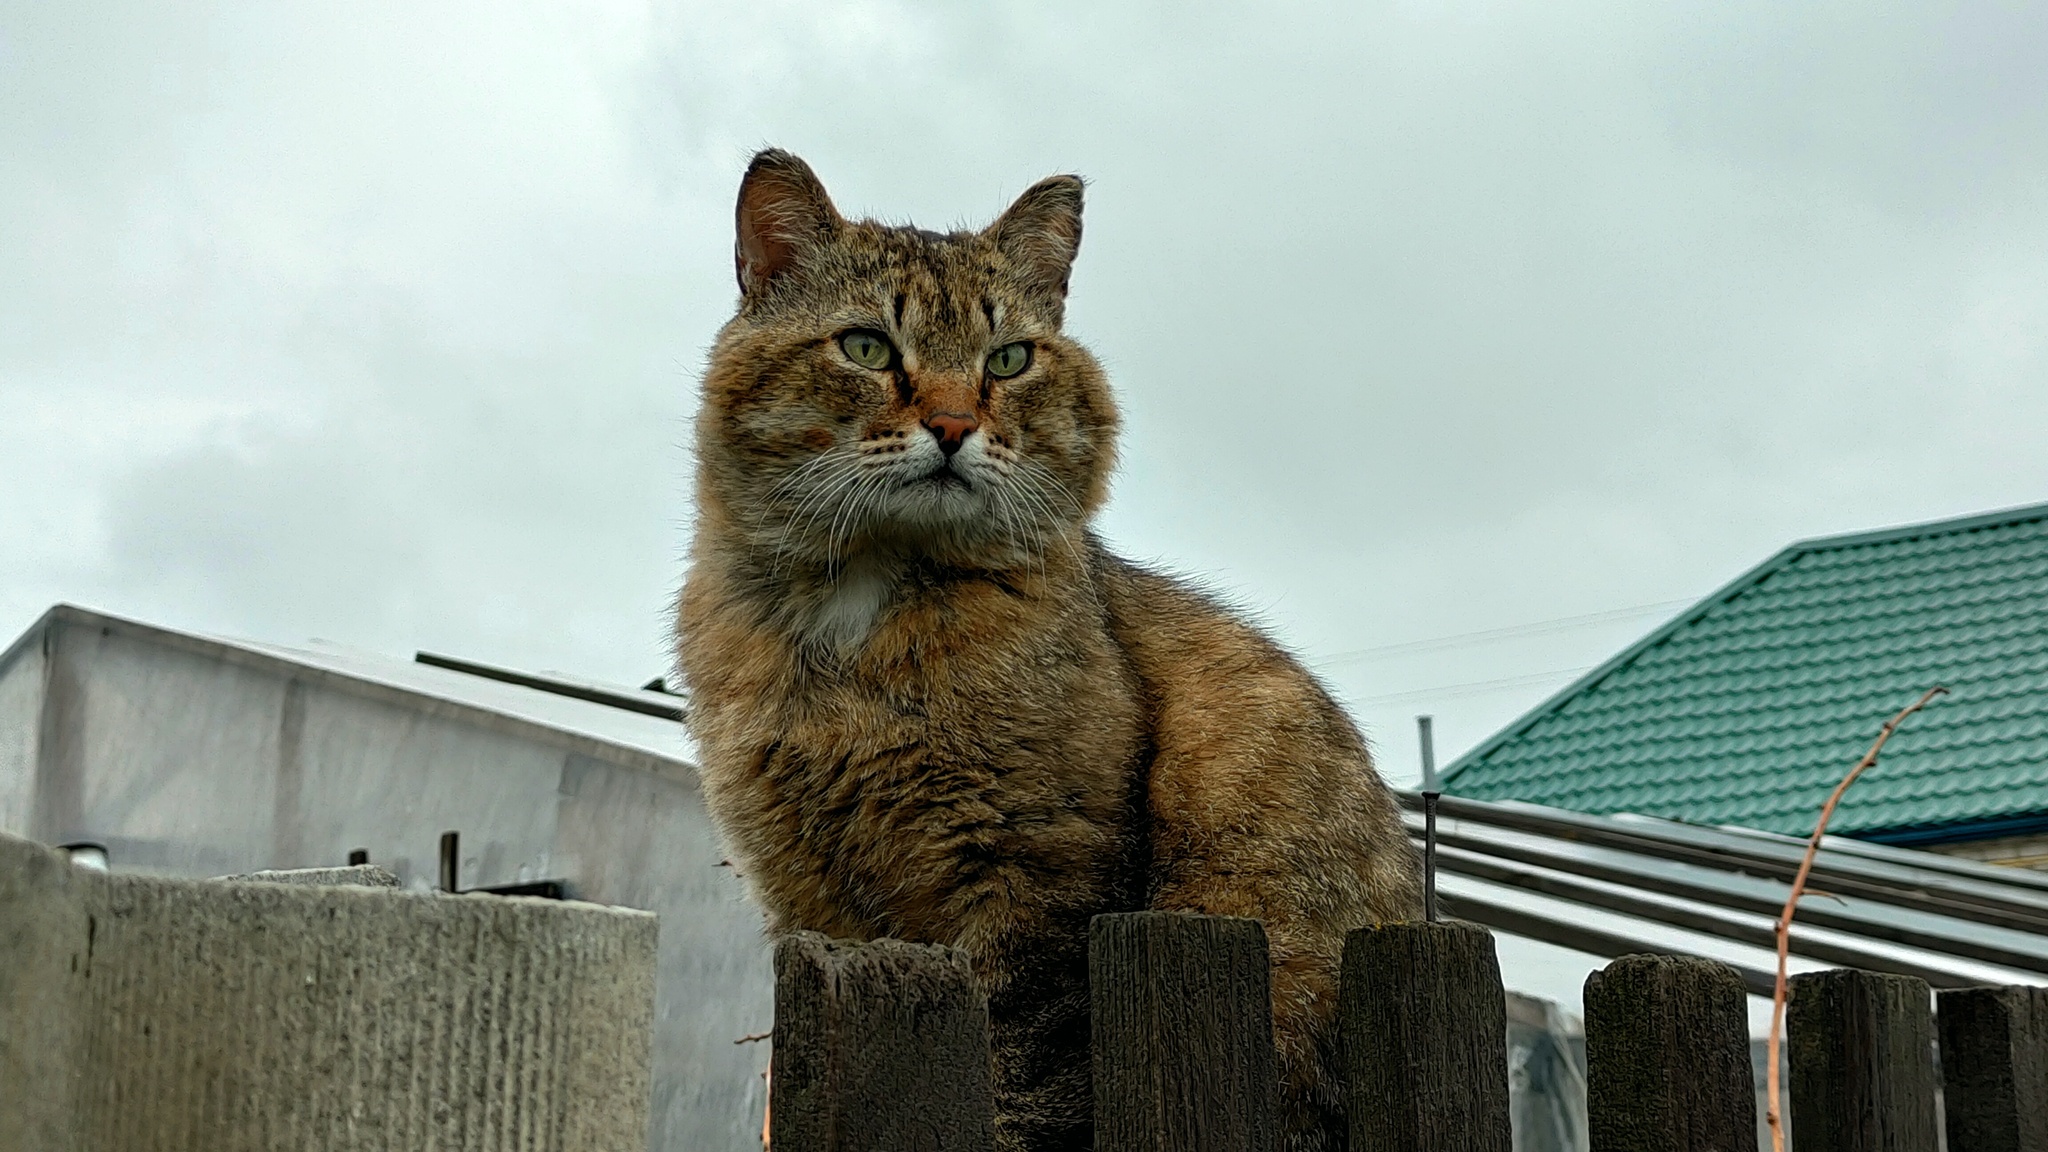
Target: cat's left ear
point(1041, 232)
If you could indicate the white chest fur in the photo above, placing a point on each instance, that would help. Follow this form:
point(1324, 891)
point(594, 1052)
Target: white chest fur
point(846, 614)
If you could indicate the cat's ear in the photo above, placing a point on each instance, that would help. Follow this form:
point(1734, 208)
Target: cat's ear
point(783, 210)
point(1041, 232)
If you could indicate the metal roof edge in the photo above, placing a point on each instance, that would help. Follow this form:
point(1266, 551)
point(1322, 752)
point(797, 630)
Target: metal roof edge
point(1622, 659)
point(33, 634)
point(1956, 832)
point(674, 768)
point(1953, 524)
point(1722, 595)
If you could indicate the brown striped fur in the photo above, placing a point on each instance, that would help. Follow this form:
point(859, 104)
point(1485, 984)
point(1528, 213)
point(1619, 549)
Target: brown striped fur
point(930, 705)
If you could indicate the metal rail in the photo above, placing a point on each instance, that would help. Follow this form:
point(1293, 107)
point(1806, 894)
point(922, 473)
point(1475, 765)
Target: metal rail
point(1763, 897)
point(1580, 937)
point(1941, 893)
point(1706, 921)
point(592, 693)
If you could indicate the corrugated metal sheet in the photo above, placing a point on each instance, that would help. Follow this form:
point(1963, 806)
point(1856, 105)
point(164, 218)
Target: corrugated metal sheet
point(1607, 887)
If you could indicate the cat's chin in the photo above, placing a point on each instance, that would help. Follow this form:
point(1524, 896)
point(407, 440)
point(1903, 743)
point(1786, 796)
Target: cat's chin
point(955, 527)
point(943, 501)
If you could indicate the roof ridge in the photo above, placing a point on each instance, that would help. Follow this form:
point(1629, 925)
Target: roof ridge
point(1944, 527)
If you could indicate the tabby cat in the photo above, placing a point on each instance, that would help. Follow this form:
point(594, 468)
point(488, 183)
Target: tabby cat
point(931, 705)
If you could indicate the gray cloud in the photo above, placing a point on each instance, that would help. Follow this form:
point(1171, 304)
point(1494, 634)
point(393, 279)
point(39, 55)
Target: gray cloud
point(1426, 319)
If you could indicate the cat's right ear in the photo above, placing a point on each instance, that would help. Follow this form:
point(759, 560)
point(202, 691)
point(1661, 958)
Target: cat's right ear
point(1042, 231)
point(783, 210)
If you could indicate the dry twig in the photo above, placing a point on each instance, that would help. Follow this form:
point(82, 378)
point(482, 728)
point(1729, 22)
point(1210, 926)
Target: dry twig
point(1774, 1113)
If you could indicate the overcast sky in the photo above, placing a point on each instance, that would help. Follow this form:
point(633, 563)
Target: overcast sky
point(383, 323)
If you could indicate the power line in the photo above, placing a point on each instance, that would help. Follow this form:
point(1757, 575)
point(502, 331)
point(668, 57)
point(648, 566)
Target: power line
point(1472, 687)
point(1534, 628)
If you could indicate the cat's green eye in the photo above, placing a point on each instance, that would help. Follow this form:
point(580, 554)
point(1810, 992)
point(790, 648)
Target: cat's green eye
point(867, 349)
point(1008, 360)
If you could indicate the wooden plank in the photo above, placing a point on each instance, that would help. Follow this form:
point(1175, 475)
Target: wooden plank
point(879, 1047)
point(1181, 1029)
point(1994, 1068)
point(1862, 1059)
point(1424, 1027)
point(1667, 1057)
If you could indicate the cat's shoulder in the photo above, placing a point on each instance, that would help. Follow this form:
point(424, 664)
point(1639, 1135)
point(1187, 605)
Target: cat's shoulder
point(1156, 611)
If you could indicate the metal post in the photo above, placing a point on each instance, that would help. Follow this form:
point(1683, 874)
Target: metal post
point(451, 859)
point(1424, 727)
point(1429, 857)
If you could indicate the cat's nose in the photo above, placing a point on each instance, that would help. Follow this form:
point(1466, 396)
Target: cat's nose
point(952, 429)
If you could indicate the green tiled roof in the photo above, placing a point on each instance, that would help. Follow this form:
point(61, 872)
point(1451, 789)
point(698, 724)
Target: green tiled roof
point(1749, 707)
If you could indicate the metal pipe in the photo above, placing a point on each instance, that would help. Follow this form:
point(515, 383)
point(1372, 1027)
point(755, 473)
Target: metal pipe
point(1424, 731)
point(1429, 857)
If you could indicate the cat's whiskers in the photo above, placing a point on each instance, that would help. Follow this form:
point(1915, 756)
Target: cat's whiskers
point(802, 471)
point(1046, 476)
point(815, 502)
point(808, 505)
point(842, 495)
point(827, 502)
point(1032, 481)
point(1013, 517)
point(809, 481)
point(852, 513)
point(1035, 518)
point(1048, 537)
point(1000, 485)
point(852, 508)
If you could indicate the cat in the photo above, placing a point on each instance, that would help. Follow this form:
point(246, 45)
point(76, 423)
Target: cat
point(930, 704)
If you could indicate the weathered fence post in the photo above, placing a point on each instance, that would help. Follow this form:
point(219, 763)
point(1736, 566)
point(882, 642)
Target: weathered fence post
point(1182, 1033)
point(1424, 1026)
point(1667, 1057)
point(879, 1047)
point(1994, 1068)
point(1862, 1055)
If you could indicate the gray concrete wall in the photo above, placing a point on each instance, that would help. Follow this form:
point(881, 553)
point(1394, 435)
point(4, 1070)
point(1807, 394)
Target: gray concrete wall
point(190, 758)
point(21, 702)
point(46, 935)
point(147, 1013)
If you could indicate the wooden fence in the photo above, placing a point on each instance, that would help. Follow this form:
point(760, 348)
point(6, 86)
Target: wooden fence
point(883, 1047)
